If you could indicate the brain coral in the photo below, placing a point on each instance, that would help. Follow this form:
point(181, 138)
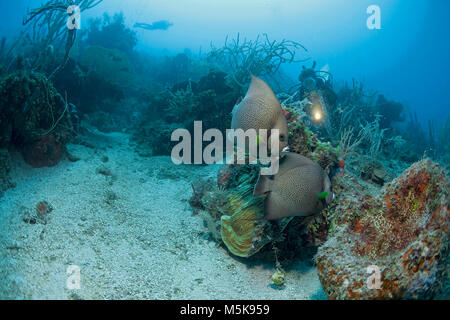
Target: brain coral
point(393, 245)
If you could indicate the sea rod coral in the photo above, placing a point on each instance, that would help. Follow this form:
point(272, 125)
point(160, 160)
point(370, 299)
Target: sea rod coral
point(260, 57)
point(47, 24)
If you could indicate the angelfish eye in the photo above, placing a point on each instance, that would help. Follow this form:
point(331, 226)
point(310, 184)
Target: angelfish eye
point(282, 137)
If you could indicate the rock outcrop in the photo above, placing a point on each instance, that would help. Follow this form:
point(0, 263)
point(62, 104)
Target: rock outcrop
point(393, 245)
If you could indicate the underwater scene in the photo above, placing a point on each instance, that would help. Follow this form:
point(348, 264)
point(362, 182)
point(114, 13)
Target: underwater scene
point(224, 150)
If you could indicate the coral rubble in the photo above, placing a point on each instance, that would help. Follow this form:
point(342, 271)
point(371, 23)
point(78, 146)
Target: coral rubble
point(41, 213)
point(402, 231)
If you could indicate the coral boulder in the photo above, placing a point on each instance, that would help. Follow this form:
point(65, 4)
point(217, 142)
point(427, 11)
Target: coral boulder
point(46, 152)
point(393, 245)
point(34, 118)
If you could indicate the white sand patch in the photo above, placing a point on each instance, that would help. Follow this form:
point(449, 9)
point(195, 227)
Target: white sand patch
point(132, 234)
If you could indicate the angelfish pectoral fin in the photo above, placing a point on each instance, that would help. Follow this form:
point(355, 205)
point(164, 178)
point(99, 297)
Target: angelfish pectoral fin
point(323, 195)
point(263, 185)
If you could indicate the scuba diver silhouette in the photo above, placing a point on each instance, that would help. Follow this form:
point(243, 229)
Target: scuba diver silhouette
point(157, 25)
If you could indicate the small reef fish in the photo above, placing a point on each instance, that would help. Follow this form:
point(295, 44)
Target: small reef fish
point(300, 188)
point(260, 109)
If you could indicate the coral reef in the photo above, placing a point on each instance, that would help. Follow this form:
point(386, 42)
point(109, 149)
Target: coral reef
point(348, 133)
point(442, 143)
point(111, 65)
point(210, 101)
point(346, 111)
point(233, 213)
point(373, 137)
point(374, 171)
point(414, 134)
point(390, 111)
point(171, 70)
point(234, 217)
point(5, 167)
point(34, 118)
point(261, 57)
point(397, 225)
point(175, 69)
point(111, 33)
point(444, 137)
point(400, 225)
point(99, 68)
point(88, 90)
point(304, 141)
point(402, 231)
point(153, 137)
point(46, 28)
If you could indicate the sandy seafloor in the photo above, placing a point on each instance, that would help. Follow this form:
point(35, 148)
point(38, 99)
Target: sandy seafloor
point(146, 244)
